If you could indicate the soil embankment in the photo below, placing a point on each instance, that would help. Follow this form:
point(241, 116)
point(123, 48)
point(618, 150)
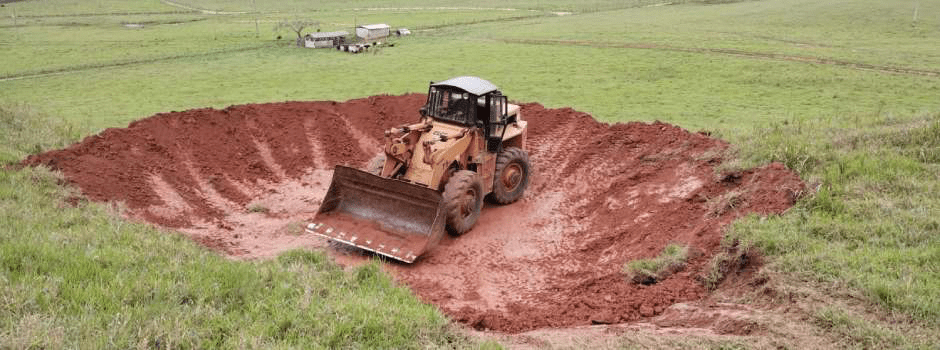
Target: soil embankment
point(244, 179)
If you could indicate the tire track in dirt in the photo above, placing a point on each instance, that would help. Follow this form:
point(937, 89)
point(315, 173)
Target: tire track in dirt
point(108, 14)
point(317, 155)
point(781, 40)
point(269, 161)
point(492, 20)
point(736, 53)
point(201, 10)
point(367, 143)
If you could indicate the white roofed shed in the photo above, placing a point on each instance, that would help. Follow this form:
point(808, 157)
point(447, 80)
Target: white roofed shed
point(373, 31)
point(324, 39)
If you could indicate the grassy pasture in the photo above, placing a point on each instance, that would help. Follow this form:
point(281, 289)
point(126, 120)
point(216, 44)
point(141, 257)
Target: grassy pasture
point(515, 5)
point(618, 84)
point(117, 40)
point(79, 277)
point(874, 223)
point(70, 8)
point(840, 29)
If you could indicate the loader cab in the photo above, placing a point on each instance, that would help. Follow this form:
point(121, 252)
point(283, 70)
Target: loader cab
point(470, 102)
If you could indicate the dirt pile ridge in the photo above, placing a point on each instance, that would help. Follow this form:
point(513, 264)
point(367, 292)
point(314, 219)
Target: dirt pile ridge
point(244, 179)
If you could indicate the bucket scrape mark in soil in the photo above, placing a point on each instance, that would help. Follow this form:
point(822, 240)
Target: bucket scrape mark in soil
point(601, 195)
point(268, 157)
point(173, 207)
point(212, 189)
point(367, 143)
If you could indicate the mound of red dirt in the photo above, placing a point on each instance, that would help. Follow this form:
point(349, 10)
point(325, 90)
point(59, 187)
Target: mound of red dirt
point(244, 179)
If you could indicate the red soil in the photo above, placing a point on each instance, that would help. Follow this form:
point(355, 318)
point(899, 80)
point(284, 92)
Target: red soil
point(242, 180)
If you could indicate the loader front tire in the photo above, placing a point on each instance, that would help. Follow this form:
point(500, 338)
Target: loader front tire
point(463, 200)
point(512, 175)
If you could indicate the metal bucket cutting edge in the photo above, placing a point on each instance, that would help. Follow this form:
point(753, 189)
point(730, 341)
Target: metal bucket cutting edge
point(389, 217)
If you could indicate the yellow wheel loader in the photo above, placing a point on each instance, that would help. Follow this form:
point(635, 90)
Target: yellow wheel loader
point(432, 176)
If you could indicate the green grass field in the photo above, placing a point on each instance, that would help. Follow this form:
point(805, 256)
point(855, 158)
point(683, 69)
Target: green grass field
point(845, 92)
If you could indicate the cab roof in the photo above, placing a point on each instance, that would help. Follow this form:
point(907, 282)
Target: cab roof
point(469, 84)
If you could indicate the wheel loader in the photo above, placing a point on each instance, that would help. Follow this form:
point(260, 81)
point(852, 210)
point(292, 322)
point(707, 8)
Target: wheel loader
point(431, 176)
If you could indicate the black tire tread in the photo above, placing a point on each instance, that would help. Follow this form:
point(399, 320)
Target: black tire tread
point(453, 190)
point(506, 157)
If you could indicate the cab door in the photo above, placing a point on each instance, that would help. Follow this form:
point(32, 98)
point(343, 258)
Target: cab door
point(496, 123)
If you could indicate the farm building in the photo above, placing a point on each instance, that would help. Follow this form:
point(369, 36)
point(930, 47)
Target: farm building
point(373, 31)
point(324, 39)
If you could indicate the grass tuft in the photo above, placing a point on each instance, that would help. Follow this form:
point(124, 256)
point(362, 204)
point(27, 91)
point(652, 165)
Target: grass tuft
point(305, 257)
point(26, 131)
point(258, 208)
point(856, 332)
point(733, 255)
point(725, 203)
point(918, 143)
point(649, 271)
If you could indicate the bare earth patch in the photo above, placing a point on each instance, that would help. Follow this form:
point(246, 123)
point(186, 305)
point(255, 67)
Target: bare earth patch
point(244, 179)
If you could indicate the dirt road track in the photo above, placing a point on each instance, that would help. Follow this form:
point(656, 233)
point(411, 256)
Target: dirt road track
point(738, 53)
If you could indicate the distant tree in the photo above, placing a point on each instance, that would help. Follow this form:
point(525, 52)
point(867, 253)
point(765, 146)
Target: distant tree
point(297, 26)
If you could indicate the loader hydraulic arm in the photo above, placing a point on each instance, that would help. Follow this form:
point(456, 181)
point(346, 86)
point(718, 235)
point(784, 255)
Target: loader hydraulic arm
point(400, 141)
point(432, 157)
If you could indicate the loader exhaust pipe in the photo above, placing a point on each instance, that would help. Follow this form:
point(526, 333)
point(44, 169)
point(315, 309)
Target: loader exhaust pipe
point(390, 217)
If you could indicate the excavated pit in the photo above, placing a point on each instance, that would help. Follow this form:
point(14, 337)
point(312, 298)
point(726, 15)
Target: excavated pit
point(244, 179)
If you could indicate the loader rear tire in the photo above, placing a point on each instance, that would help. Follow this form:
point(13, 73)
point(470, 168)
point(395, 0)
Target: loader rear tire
point(463, 200)
point(512, 175)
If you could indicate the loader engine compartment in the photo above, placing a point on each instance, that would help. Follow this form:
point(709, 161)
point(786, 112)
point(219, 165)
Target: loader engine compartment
point(243, 181)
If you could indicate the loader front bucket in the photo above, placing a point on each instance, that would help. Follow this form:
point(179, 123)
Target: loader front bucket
point(386, 216)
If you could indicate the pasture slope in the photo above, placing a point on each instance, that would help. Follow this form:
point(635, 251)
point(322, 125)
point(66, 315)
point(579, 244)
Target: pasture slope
point(842, 92)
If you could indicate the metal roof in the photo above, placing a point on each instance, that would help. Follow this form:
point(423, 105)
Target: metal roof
point(472, 85)
point(374, 26)
point(318, 35)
